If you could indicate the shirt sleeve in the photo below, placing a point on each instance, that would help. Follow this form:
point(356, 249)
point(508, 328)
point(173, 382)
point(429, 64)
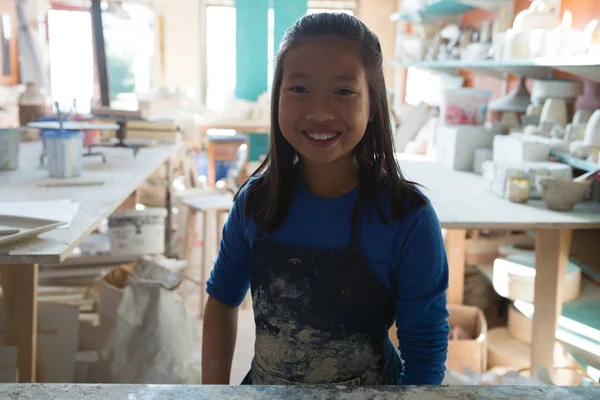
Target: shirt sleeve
point(421, 313)
point(230, 278)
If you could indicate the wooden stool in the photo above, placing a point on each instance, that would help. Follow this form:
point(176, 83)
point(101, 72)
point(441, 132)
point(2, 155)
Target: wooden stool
point(207, 202)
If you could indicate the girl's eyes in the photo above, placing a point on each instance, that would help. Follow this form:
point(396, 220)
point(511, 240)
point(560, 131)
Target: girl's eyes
point(344, 92)
point(298, 89)
point(341, 92)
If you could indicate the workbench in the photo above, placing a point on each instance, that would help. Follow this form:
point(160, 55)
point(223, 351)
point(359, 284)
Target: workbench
point(185, 392)
point(121, 174)
point(461, 203)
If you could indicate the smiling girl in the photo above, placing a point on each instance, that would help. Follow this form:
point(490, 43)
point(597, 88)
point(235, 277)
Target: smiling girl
point(333, 242)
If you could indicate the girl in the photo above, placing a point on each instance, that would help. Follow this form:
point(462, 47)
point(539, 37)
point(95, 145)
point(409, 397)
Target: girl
point(334, 243)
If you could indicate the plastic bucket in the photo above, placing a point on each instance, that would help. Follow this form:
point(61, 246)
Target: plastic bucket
point(133, 232)
point(10, 140)
point(65, 153)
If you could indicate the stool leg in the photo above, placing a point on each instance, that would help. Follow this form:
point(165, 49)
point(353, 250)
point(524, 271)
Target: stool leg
point(204, 260)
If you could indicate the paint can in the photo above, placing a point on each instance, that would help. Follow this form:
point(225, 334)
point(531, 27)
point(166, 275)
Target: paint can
point(10, 141)
point(65, 153)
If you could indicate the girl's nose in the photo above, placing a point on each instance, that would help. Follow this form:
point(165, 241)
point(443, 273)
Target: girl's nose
point(320, 113)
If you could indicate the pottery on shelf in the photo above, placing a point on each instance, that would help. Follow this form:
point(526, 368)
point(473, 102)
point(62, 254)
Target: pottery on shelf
point(575, 132)
point(579, 149)
point(561, 194)
point(554, 111)
point(555, 89)
point(591, 136)
point(590, 99)
point(518, 100)
point(537, 16)
point(582, 116)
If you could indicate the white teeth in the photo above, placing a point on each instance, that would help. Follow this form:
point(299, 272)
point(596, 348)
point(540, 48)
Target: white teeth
point(321, 136)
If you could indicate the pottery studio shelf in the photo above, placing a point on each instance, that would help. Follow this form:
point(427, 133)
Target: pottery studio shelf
point(574, 161)
point(542, 67)
point(442, 8)
point(578, 326)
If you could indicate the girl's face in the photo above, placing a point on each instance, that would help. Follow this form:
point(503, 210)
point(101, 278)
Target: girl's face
point(324, 99)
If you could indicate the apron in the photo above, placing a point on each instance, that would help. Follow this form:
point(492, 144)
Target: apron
point(322, 317)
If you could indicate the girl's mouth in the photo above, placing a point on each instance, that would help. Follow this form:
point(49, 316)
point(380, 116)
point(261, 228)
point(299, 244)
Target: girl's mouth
point(322, 138)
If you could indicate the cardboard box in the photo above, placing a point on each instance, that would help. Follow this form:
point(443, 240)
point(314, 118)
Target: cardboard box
point(468, 353)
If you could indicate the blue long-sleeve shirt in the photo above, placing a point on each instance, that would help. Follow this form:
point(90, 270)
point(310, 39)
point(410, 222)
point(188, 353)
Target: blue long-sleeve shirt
point(407, 255)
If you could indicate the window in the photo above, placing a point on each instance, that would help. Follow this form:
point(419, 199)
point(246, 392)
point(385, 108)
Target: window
point(71, 58)
point(220, 56)
point(220, 48)
point(129, 41)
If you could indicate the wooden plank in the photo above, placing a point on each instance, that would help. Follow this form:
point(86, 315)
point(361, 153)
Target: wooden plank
point(551, 257)
point(130, 202)
point(456, 242)
point(122, 173)
point(461, 202)
point(19, 285)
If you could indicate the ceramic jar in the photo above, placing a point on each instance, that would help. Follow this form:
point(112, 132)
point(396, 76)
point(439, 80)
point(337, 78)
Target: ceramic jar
point(32, 104)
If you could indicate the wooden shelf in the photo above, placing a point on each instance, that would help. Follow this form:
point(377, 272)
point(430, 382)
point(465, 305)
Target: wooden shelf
point(534, 68)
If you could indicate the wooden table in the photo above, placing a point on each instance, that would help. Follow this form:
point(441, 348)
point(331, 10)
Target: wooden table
point(462, 203)
point(121, 174)
point(198, 392)
point(240, 126)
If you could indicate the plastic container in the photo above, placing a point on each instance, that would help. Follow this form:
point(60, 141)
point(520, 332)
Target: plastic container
point(465, 106)
point(65, 153)
point(133, 232)
point(10, 140)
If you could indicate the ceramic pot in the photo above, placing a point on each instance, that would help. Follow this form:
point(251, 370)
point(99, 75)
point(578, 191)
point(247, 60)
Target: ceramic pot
point(562, 194)
point(32, 104)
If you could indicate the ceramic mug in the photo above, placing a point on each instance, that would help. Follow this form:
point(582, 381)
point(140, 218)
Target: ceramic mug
point(518, 190)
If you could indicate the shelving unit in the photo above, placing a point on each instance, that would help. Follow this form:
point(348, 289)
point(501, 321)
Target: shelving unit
point(442, 8)
point(532, 68)
point(574, 162)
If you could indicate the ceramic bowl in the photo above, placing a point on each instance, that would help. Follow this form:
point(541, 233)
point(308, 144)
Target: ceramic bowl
point(562, 194)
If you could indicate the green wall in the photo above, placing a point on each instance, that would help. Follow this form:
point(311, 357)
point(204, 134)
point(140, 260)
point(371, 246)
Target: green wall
point(252, 52)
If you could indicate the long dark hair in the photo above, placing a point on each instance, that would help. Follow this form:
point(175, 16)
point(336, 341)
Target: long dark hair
point(270, 195)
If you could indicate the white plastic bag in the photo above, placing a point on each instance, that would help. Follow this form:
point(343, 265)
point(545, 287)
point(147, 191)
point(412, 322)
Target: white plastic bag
point(155, 338)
